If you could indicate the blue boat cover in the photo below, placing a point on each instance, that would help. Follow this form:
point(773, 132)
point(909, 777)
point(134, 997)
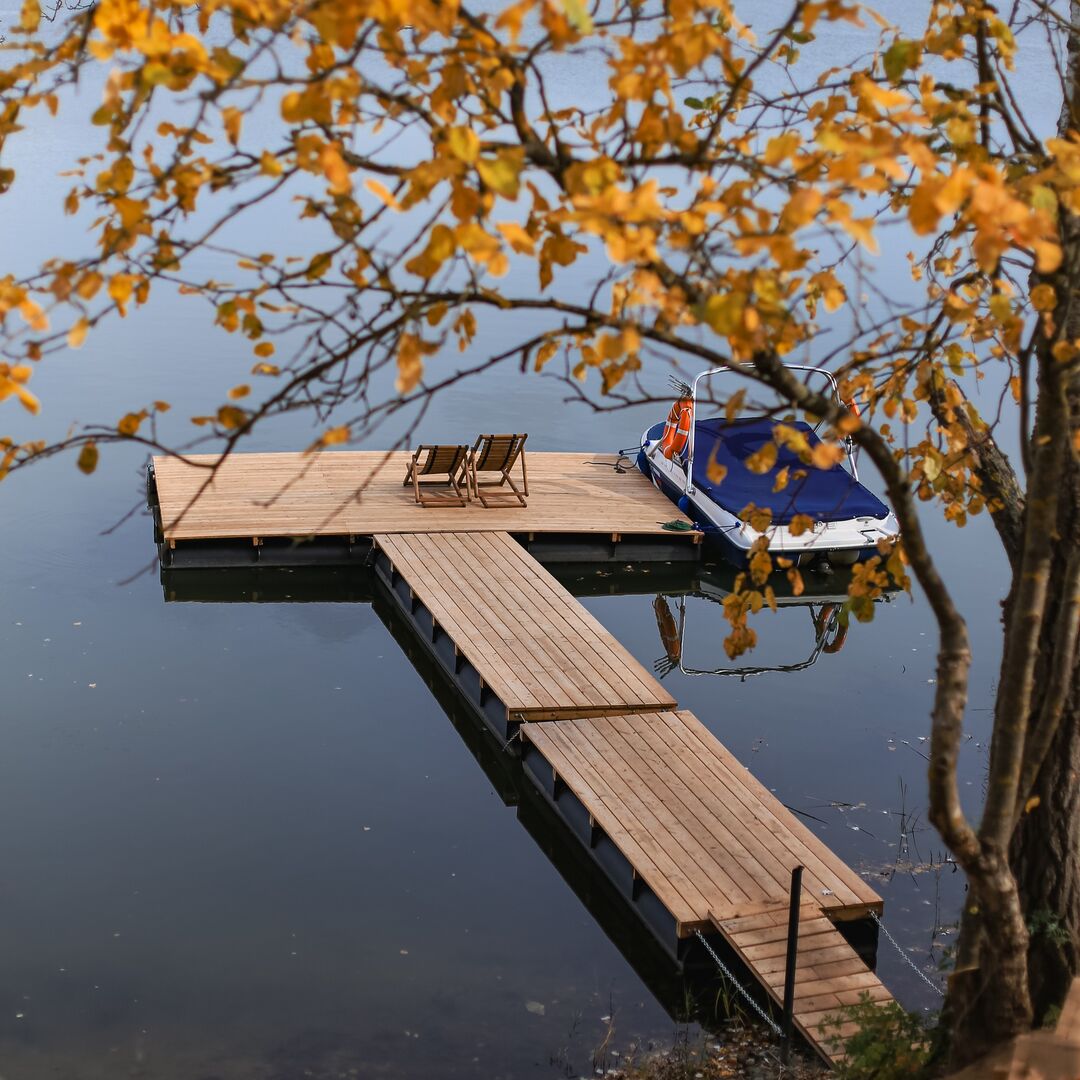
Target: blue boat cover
point(823, 494)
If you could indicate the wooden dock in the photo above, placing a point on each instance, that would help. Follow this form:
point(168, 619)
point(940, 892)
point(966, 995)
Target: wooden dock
point(522, 647)
point(670, 796)
point(693, 842)
point(287, 508)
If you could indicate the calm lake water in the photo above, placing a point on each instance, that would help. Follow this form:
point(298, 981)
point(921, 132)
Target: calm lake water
point(245, 839)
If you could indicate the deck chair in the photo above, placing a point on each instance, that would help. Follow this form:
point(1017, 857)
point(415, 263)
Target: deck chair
point(494, 458)
point(433, 465)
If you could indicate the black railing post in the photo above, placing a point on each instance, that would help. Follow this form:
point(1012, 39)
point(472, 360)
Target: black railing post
point(792, 956)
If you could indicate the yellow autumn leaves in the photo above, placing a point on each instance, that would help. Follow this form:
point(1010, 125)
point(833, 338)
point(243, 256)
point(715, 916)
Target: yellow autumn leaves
point(713, 220)
point(13, 380)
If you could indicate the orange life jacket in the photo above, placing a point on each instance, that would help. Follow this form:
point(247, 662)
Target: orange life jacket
point(677, 428)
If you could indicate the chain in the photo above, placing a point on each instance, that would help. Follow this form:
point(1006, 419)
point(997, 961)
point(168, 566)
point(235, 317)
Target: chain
point(505, 746)
point(911, 963)
point(739, 986)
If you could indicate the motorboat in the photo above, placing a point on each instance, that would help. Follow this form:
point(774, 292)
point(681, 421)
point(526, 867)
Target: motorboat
point(707, 466)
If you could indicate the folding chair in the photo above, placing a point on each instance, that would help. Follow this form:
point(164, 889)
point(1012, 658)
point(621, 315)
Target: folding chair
point(496, 457)
point(433, 465)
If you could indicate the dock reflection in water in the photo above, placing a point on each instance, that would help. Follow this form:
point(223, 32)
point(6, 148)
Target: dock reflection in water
point(685, 995)
point(688, 991)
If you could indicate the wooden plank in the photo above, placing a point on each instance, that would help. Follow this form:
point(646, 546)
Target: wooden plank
point(570, 657)
point(475, 638)
point(792, 843)
point(829, 974)
point(814, 1009)
point(828, 871)
point(776, 930)
point(505, 611)
point(621, 825)
point(863, 980)
point(528, 638)
point(658, 803)
point(766, 911)
point(571, 625)
point(586, 624)
point(775, 829)
point(824, 955)
point(484, 643)
point(719, 810)
point(622, 806)
point(640, 783)
point(808, 936)
point(808, 978)
point(425, 560)
point(337, 493)
point(726, 856)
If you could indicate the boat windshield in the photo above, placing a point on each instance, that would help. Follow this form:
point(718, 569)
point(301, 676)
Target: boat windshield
point(712, 393)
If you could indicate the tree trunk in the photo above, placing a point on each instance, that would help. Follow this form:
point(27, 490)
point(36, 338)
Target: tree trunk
point(1001, 934)
point(1046, 862)
point(1045, 852)
point(988, 1000)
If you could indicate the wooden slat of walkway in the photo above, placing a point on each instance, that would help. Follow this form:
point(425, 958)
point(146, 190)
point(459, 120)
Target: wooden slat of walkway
point(705, 836)
point(340, 493)
point(534, 645)
point(828, 973)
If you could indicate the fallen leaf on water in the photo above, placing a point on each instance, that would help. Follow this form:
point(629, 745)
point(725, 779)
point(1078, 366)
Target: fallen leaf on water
point(535, 1007)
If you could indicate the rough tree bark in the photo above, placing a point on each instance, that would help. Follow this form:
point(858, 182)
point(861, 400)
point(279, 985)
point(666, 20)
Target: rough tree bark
point(1046, 862)
point(990, 993)
point(1045, 851)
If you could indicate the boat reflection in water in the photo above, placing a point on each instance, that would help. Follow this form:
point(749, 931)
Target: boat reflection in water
point(822, 600)
point(687, 602)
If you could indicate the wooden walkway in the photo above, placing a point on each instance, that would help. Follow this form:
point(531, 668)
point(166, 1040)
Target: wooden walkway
point(359, 493)
point(532, 645)
point(705, 846)
point(706, 836)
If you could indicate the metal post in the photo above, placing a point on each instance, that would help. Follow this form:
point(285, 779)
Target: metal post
point(792, 956)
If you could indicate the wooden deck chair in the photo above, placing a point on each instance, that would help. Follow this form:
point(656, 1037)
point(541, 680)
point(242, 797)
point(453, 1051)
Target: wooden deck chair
point(433, 465)
point(495, 456)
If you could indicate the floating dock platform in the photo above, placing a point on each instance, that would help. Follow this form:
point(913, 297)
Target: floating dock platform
point(302, 509)
point(694, 844)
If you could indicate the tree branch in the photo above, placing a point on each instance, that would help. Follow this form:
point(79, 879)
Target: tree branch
point(954, 649)
point(998, 481)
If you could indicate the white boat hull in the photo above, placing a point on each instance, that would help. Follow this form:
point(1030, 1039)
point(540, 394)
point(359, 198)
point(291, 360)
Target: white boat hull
point(842, 542)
